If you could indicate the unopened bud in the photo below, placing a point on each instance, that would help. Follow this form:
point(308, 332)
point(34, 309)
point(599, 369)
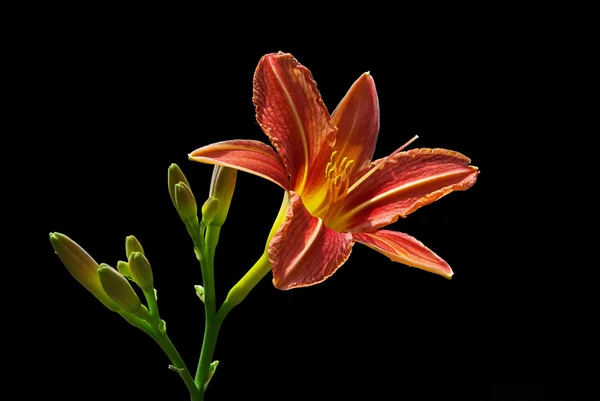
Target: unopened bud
point(209, 210)
point(141, 271)
point(185, 201)
point(123, 268)
point(222, 186)
point(132, 245)
point(175, 176)
point(200, 292)
point(118, 289)
point(211, 371)
point(81, 266)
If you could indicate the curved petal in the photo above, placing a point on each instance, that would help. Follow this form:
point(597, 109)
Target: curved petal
point(402, 184)
point(304, 251)
point(292, 114)
point(250, 156)
point(357, 119)
point(403, 248)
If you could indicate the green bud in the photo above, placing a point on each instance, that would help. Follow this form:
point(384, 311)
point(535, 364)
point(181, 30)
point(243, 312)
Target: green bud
point(185, 201)
point(118, 289)
point(175, 176)
point(200, 292)
point(81, 266)
point(222, 186)
point(211, 371)
point(209, 210)
point(123, 268)
point(132, 245)
point(141, 271)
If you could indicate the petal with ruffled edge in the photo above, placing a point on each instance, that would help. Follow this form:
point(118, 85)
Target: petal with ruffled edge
point(406, 182)
point(292, 114)
point(403, 248)
point(357, 119)
point(250, 156)
point(304, 251)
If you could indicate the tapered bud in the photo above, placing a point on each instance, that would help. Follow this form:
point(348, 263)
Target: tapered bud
point(209, 210)
point(185, 201)
point(141, 271)
point(175, 176)
point(132, 245)
point(118, 289)
point(81, 266)
point(211, 371)
point(222, 186)
point(200, 292)
point(123, 268)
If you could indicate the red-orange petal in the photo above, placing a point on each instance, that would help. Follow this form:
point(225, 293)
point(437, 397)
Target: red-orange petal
point(357, 119)
point(304, 251)
point(403, 248)
point(250, 156)
point(407, 181)
point(292, 114)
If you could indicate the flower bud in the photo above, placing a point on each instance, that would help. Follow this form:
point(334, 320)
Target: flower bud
point(175, 176)
point(185, 201)
point(209, 210)
point(141, 271)
point(222, 186)
point(132, 245)
point(118, 289)
point(123, 268)
point(200, 292)
point(81, 266)
point(211, 371)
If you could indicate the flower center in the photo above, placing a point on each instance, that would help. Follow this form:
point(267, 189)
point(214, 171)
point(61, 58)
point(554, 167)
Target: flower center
point(338, 178)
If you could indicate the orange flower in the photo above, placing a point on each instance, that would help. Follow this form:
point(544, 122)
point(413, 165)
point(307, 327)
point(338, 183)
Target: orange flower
point(337, 195)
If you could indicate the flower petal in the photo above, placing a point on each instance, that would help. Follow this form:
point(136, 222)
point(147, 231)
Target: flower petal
point(403, 248)
point(250, 156)
point(357, 119)
point(304, 251)
point(407, 181)
point(292, 114)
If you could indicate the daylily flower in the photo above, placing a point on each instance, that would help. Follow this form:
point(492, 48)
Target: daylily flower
point(337, 196)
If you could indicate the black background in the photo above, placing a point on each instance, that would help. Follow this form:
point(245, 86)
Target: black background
point(117, 100)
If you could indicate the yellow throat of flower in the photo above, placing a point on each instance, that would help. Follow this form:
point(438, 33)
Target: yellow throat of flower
point(333, 193)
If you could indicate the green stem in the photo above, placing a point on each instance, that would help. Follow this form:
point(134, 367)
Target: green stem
point(179, 366)
point(236, 295)
point(210, 334)
point(157, 332)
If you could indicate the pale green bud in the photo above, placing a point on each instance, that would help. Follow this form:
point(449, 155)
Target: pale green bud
point(211, 371)
point(209, 210)
point(141, 271)
point(175, 176)
point(123, 268)
point(132, 245)
point(118, 289)
point(185, 201)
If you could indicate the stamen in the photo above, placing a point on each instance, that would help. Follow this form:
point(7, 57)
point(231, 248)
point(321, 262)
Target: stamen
point(329, 166)
point(333, 157)
point(348, 167)
point(330, 173)
point(337, 181)
point(342, 163)
point(374, 169)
